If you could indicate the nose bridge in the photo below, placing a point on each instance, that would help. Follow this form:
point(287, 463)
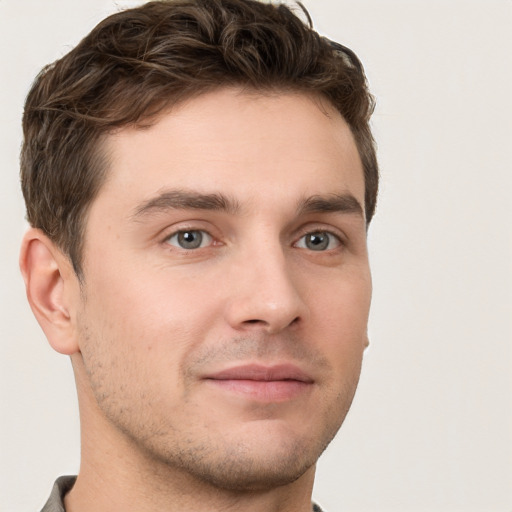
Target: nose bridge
point(267, 293)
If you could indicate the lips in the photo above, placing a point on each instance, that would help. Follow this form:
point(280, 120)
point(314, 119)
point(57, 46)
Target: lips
point(263, 373)
point(275, 383)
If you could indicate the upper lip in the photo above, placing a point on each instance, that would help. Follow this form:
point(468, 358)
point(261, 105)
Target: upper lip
point(261, 372)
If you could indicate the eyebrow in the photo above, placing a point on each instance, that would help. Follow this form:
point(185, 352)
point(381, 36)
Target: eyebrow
point(189, 200)
point(186, 200)
point(335, 203)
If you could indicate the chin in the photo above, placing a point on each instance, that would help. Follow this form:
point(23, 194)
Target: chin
point(248, 465)
point(251, 474)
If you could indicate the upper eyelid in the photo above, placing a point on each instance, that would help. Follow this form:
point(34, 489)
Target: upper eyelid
point(169, 231)
point(175, 232)
point(306, 230)
point(296, 235)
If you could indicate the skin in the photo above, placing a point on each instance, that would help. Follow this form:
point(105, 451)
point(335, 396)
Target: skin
point(154, 324)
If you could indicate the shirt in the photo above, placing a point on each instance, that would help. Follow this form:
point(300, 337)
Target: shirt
point(55, 502)
point(64, 484)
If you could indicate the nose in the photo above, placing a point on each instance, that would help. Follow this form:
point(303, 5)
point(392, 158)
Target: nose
point(265, 294)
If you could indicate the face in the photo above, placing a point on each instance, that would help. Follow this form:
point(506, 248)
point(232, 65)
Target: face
point(226, 286)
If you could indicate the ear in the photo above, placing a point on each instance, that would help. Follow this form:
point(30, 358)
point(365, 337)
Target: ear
point(52, 289)
point(366, 341)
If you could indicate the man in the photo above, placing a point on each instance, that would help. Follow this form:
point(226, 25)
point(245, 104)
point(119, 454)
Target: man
point(199, 177)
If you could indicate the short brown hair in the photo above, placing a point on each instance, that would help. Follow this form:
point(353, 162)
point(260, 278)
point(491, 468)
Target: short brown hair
point(137, 62)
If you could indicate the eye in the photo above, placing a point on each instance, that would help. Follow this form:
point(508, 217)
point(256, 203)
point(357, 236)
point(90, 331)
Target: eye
point(190, 239)
point(318, 241)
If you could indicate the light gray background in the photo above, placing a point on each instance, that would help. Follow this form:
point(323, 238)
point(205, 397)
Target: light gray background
point(431, 425)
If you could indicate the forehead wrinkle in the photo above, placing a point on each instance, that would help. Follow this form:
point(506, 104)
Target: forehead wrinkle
point(186, 200)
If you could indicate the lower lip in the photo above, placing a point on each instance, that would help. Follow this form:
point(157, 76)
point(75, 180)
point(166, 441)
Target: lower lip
point(262, 390)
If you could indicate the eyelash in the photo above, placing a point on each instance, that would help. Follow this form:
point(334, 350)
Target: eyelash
point(332, 238)
point(184, 232)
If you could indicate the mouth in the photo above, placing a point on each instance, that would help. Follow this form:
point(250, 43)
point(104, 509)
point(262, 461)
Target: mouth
point(277, 383)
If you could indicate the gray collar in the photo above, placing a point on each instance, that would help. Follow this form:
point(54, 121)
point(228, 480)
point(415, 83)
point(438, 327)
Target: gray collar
point(64, 484)
point(55, 502)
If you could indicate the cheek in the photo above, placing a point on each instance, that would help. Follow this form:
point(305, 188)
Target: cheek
point(343, 305)
point(340, 318)
point(164, 313)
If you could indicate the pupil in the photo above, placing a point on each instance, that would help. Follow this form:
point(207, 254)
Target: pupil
point(317, 241)
point(190, 239)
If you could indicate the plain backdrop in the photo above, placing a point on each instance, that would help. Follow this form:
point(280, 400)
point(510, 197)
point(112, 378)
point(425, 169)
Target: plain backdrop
point(431, 425)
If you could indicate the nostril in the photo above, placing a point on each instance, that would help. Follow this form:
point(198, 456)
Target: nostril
point(256, 321)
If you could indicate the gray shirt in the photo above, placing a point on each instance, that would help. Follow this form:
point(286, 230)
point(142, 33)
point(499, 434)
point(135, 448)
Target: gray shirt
point(63, 485)
point(55, 502)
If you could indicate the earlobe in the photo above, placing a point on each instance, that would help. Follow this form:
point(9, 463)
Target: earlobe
point(49, 280)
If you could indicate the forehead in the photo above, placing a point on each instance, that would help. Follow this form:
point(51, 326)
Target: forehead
point(252, 146)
